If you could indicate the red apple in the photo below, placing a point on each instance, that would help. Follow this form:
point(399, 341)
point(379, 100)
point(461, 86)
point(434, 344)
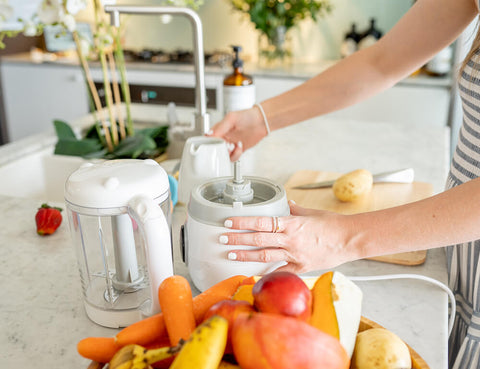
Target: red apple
point(229, 309)
point(283, 293)
point(272, 341)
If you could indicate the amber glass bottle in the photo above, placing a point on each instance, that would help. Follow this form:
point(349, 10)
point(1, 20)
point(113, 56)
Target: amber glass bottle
point(238, 87)
point(237, 78)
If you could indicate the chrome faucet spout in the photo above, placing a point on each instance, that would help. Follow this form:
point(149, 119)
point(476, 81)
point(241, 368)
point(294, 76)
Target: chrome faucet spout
point(202, 123)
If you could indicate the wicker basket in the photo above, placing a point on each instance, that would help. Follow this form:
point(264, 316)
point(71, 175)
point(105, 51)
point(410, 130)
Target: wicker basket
point(417, 361)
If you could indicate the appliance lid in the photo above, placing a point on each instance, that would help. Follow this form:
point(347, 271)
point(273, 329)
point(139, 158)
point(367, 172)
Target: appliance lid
point(112, 183)
point(207, 202)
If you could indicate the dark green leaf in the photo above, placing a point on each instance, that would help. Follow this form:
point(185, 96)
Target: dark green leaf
point(158, 134)
point(133, 146)
point(74, 147)
point(97, 154)
point(63, 130)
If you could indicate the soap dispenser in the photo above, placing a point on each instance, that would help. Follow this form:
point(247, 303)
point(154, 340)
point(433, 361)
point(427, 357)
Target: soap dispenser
point(238, 88)
point(350, 42)
point(371, 35)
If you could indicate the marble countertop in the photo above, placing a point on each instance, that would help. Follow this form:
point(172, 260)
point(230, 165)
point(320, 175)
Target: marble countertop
point(42, 311)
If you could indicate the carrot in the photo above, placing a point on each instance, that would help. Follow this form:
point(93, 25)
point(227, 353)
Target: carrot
point(223, 290)
point(176, 302)
point(153, 328)
point(100, 349)
point(143, 332)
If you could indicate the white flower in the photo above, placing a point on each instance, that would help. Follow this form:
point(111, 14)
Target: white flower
point(85, 46)
point(106, 40)
point(50, 11)
point(69, 22)
point(74, 6)
point(29, 29)
point(6, 11)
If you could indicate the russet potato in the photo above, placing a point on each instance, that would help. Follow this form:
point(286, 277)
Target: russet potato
point(353, 185)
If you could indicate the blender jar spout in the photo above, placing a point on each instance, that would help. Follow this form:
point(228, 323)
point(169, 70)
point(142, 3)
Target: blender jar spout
point(202, 123)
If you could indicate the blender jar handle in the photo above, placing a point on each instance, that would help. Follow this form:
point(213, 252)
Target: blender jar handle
point(158, 251)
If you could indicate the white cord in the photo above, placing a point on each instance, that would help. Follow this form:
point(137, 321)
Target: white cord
point(449, 292)
point(264, 117)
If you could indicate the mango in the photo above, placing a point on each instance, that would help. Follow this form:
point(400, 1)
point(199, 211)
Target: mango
point(229, 309)
point(273, 341)
point(337, 308)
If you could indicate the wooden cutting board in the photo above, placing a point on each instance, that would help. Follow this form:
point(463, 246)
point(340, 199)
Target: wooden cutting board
point(382, 196)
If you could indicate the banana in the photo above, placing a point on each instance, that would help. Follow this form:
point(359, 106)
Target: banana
point(138, 357)
point(205, 347)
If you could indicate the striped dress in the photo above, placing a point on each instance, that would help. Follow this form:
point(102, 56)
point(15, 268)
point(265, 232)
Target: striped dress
point(463, 259)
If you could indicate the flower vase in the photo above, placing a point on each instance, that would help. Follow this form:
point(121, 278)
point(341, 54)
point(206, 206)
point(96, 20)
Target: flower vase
point(274, 50)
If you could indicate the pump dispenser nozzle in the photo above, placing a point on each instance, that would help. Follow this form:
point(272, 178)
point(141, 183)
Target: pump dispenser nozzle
point(237, 62)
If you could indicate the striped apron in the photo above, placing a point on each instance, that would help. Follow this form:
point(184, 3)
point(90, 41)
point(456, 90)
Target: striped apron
point(463, 259)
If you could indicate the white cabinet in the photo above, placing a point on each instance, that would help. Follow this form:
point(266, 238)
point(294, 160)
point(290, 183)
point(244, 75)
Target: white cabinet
point(419, 103)
point(267, 87)
point(35, 95)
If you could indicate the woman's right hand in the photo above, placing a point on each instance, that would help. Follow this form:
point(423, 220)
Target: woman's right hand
point(241, 130)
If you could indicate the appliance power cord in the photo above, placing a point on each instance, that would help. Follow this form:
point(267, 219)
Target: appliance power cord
point(449, 292)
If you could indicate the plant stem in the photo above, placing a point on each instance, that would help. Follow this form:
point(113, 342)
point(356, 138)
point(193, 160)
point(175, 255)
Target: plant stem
point(116, 94)
point(108, 96)
point(93, 91)
point(124, 82)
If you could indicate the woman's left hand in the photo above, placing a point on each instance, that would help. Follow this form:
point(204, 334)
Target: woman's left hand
point(307, 240)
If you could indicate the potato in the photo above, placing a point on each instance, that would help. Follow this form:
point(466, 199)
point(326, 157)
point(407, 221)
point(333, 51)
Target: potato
point(353, 185)
point(378, 348)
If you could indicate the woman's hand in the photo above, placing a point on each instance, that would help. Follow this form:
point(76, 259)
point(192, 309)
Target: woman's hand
point(307, 240)
point(241, 130)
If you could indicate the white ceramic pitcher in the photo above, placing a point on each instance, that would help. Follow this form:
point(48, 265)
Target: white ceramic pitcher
point(203, 158)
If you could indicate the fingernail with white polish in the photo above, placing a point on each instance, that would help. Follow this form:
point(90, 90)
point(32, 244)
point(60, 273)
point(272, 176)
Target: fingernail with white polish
point(223, 239)
point(232, 256)
point(209, 133)
point(240, 144)
point(292, 202)
point(228, 223)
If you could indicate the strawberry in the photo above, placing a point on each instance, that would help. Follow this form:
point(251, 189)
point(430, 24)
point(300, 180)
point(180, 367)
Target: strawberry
point(48, 219)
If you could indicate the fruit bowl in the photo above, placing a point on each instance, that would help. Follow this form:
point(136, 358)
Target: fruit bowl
point(417, 361)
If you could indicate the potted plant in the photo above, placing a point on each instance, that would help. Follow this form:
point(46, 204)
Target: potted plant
point(113, 134)
point(274, 18)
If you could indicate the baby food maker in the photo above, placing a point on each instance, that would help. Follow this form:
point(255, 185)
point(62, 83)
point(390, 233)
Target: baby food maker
point(215, 200)
point(119, 213)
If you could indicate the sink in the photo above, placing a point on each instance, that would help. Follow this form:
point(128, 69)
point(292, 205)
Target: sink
point(28, 167)
point(40, 175)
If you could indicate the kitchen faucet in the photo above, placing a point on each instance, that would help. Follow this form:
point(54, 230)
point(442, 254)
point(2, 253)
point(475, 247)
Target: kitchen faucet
point(202, 121)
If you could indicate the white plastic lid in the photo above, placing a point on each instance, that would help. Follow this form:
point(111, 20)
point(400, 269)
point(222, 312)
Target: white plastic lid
point(112, 183)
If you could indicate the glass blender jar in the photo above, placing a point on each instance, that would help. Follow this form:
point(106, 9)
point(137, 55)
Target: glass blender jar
point(119, 213)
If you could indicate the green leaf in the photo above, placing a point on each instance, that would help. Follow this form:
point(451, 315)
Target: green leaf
point(152, 131)
point(134, 146)
point(97, 154)
point(158, 134)
point(74, 147)
point(63, 130)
